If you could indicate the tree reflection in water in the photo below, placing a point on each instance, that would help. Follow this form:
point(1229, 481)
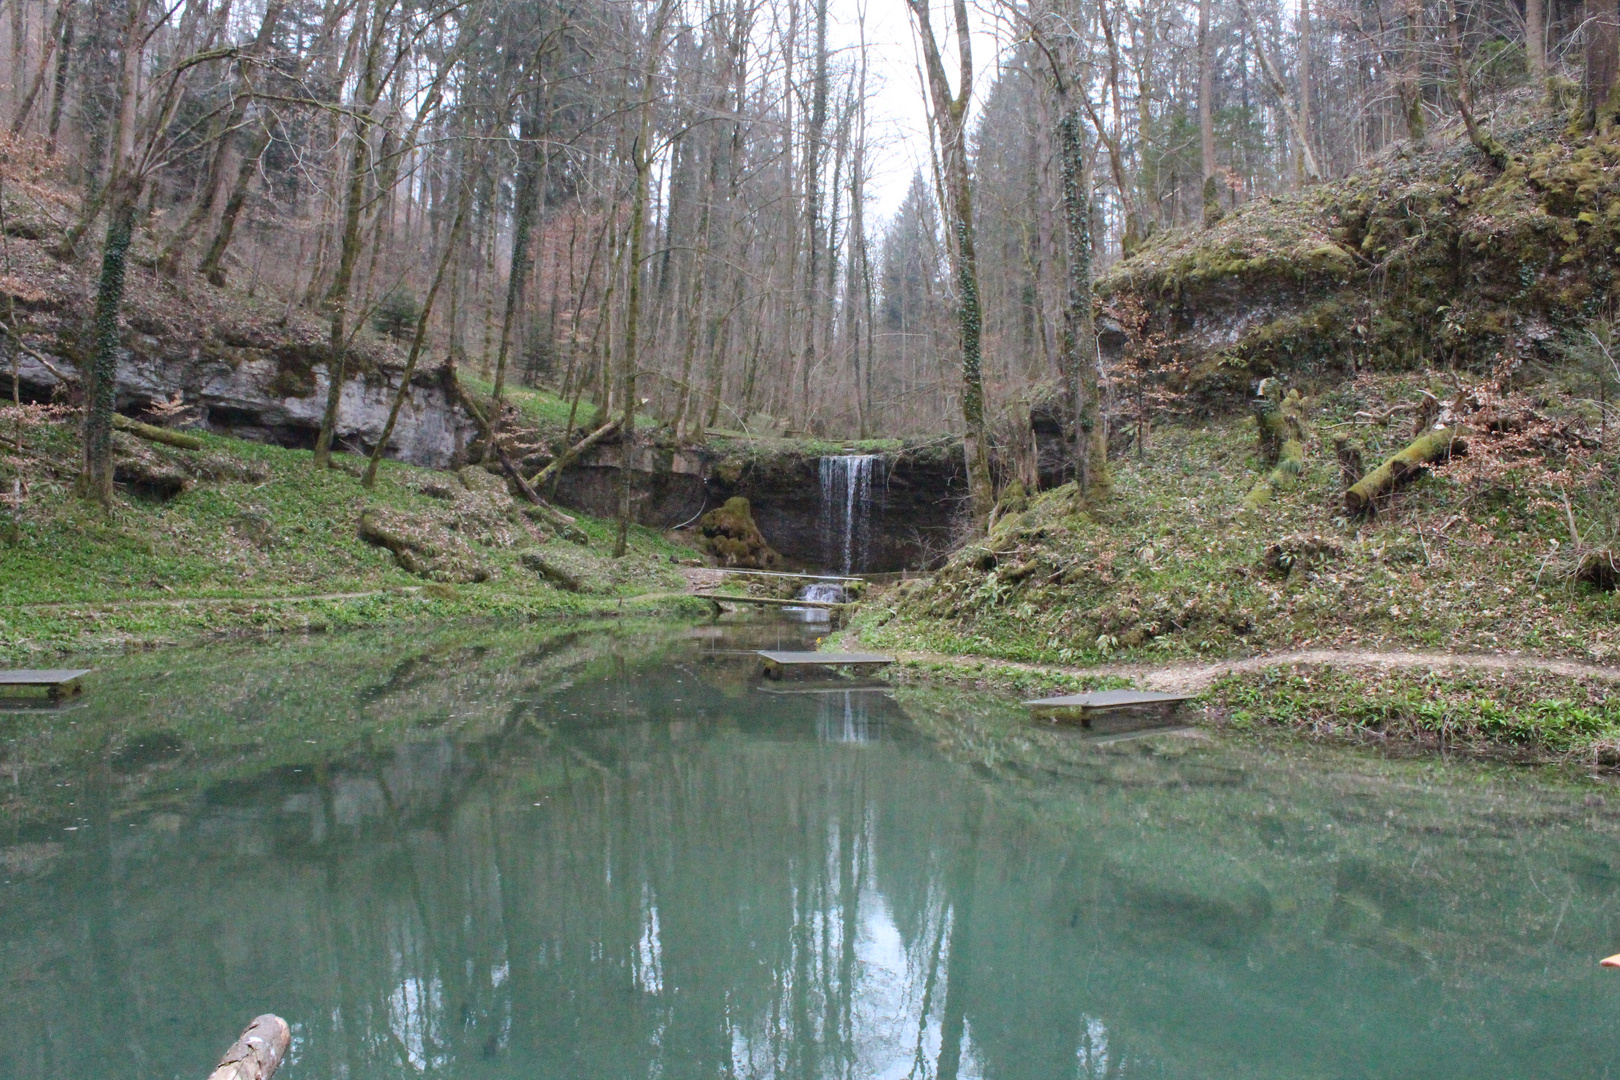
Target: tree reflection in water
point(614, 857)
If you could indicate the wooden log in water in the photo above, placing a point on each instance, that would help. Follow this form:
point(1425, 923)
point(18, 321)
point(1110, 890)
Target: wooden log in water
point(258, 1053)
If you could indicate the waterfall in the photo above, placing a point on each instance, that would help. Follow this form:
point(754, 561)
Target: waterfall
point(846, 510)
point(824, 593)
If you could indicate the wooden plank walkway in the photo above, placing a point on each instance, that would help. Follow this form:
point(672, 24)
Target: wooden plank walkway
point(57, 682)
point(1084, 707)
point(768, 601)
point(777, 662)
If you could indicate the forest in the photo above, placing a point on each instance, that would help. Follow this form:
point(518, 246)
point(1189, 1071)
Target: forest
point(666, 209)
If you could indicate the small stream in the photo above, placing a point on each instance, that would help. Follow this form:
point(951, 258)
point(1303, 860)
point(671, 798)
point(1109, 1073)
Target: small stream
point(584, 852)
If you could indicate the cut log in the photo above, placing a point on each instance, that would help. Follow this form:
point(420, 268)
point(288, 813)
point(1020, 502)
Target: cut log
point(568, 456)
point(1429, 448)
point(258, 1053)
point(152, 433)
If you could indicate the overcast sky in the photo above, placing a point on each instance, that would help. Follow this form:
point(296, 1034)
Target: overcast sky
point(898, 122)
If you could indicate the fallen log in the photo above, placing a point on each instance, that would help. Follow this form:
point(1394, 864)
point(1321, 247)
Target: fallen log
point(258, 1053)
point(152, 433)
point(1281, 429)
point(552, 572)
point(558, 520)
point(567, 457)
point(1429, 448)
point(1290, 463)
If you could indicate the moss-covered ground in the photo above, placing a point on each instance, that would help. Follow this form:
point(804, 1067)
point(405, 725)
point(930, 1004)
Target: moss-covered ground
point(1474, 557)
point(272, 544)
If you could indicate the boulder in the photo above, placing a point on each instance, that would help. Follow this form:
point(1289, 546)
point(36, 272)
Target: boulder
point(730, 535)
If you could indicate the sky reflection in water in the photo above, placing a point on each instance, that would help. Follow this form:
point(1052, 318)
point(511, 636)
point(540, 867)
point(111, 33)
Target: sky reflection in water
point(610, 854)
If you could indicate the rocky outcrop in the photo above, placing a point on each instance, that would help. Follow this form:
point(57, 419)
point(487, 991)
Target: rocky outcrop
point(1428, 256)
point(916, 505)
point(278, 396)
point(240, 365)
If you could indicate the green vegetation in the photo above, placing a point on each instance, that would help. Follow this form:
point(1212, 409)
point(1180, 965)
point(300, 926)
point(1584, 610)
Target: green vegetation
point(1470, 557)
point(537, 406)
point(1529, 710)
point(1431, 253)
point(221, 547)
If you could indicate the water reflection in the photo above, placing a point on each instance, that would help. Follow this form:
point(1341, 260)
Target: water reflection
point(615, 857)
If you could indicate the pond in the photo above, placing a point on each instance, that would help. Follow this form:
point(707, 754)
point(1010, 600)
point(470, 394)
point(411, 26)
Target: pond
point(609, 851)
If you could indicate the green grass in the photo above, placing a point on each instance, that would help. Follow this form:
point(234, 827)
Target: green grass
point(540, 407)
point(1532, 711)
point(73, 577)
point(1171, 568)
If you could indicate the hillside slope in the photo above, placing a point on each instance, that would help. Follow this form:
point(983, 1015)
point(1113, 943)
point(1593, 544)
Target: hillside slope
point(1429, 258)
point(243, 537)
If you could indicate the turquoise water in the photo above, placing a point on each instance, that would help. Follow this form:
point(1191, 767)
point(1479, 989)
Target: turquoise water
point(612, 854)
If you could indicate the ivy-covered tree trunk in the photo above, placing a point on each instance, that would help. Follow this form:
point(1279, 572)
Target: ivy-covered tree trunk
point(102, 373)
point(1079, 351)
point(950, 121)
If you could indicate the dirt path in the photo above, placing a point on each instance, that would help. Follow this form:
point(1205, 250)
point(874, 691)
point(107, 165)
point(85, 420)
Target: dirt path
point(1195, 677)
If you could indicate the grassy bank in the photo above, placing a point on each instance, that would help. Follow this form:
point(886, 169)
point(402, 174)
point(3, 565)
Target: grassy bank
point(1472, 557)
point(1479, 555)
point(241, 537)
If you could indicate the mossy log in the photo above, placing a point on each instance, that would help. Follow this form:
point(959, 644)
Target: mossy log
point(1281, 432)
point(1429, 448)
point(568, 456)
point(1290, 463)
point(1270, 428)
point(155, 434)
point(552, 572)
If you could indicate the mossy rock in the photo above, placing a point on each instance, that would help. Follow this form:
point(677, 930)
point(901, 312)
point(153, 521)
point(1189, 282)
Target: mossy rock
point(730, 535)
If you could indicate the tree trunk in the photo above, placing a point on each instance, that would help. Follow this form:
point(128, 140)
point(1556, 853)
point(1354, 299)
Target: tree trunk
point(337, 297)
point(950, 115)
point(517, 276)
point(20, 121)
point(59, 91)
point(1304, 77)
point(1535, 40)
point(417, 341)
point(641, 157)
point(208, 190)
point(1285, 97)
point(1079, 351)
point(101, 396)
point(1483, 141)
point(1206, 115)
point(1602, 62)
